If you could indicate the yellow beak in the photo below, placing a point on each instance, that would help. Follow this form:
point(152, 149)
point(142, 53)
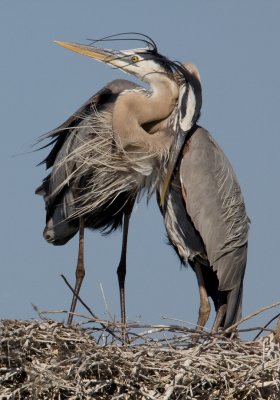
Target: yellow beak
point(103, 55)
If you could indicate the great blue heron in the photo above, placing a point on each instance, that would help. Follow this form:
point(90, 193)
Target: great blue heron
point(206, 222)
point(203, 209)
point(61, 189)
point(102, 156)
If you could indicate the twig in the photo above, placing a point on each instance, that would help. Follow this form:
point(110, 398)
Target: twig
point(79, 298)
point(105, 302)
point(266, 325)
point(38, 311)
point(253, 314)
point(183, 321)
point(88, 309)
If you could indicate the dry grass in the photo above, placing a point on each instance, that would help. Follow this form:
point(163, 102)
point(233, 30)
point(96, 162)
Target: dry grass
point(49, 360)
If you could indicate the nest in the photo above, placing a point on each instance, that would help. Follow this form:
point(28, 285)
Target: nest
point(49, 360)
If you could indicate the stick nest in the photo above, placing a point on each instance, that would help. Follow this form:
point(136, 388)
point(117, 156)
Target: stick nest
point(49, 360)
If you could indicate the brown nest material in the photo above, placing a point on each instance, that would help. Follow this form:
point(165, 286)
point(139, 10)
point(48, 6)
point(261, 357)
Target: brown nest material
point(49, 360)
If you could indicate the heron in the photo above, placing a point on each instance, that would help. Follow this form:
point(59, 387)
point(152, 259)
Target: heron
point(206, 220)
point(150, 139)
point(110, 149)
point(60, 189)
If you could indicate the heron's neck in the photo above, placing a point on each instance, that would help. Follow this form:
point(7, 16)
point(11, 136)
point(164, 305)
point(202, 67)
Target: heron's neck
point(162, 100)
point(135, 108)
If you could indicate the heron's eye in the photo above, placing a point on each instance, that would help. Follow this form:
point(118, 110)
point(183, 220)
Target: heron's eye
point(134, 59)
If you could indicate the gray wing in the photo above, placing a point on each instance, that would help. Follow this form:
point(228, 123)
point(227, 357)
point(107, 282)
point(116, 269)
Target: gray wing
point(216, 207)
point(179, 226)
point(58, 188)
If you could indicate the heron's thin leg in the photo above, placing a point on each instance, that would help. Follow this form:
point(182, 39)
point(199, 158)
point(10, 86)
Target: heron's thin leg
point(121, 271)
point(80, 271)
point(204, 307)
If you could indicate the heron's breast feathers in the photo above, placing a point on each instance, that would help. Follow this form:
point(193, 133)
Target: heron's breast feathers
point(98, 169)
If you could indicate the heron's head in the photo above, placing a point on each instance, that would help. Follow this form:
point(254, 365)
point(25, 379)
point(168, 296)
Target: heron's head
point(143, 63)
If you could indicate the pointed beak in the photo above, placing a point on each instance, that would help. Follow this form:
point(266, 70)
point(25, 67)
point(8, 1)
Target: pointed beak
point(177, 146)
point(104, 55)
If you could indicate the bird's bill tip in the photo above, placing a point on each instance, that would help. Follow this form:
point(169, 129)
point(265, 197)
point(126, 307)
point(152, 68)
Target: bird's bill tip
point(89, 51)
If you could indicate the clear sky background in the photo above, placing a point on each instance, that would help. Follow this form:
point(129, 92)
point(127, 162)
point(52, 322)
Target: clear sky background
point(236, 46)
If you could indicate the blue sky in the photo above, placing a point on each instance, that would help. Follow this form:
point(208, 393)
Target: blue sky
point(235, 45)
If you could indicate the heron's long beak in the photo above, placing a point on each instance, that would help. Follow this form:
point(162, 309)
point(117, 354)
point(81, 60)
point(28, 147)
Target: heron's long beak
point(104, 55)
point(177, 146)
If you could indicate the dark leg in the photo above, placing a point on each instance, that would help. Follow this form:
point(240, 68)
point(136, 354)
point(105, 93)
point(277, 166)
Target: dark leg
point(219, 317)
point(80, 271)
point(121, 271)
point(221, 312)
point(204, 308)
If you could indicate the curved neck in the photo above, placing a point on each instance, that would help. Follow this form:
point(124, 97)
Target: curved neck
point(135, 108)
point(162, 100)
